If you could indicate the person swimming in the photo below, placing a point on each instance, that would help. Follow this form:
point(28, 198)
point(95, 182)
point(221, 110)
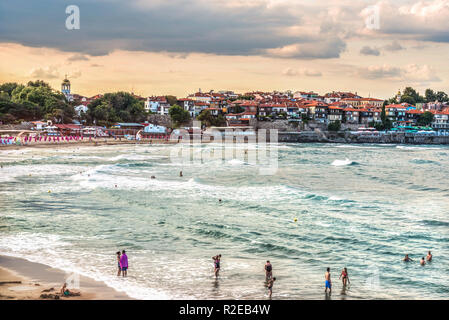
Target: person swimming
point(423, 261)
point(268, 270)
point(344, 276)
point(328, 282)
point(180, 173)
point(216, 264)
point(407, 259)
point(429, 256)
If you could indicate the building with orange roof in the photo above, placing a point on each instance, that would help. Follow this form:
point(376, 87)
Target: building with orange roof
point(440, 121)
point(335, 114)
point(357, 102)
point(351, 115)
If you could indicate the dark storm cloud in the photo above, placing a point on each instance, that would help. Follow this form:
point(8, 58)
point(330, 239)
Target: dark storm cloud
point(172, 26)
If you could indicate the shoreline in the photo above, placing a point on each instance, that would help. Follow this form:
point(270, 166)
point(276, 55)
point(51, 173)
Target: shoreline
point(21, 279)
point(84, 143)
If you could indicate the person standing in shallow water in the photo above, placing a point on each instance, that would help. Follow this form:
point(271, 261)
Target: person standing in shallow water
point(124, 263)
point(216, 264)
point(268, 270)
point(328, 282)
point(429, 256)
point(344, 277)
point(270, 287)
point(119, 265)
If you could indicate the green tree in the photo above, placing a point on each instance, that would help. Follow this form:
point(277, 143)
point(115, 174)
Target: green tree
point(430, 95)
point(409, 91)
point(33, 101)
point(8, 87)
point(305, 119)
point(209, 120)
point(172, 100)
point(408, 99)
point(383, 115)
point(426, 119)
point(334, 126)
point(116, 107)
point(239, 109)
point(441, 96)
point(178, 114)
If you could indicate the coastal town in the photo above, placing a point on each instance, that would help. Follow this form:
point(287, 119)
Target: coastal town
point(289, 112)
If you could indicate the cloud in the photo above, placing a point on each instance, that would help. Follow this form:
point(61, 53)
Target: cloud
point(175, 55)
point(179, 27)
point(50, 72)
point(325, 49)
point(380, 72)
point(291, 72)
point(416, 73)
point(394, 46)
point(368, 51)
point(415, 20)
point(75, 74)
point(410, 73)
point(78, 57)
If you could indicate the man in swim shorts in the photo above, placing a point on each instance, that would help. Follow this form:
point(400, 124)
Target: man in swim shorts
point(328, 282)
point(124, 263)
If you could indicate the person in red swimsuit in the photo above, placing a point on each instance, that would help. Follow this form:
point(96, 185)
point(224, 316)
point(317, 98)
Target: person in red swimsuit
point(344, 276)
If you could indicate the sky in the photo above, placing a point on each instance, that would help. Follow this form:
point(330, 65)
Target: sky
point(159, 47)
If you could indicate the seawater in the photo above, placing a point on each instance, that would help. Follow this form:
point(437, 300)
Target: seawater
point(357, 206)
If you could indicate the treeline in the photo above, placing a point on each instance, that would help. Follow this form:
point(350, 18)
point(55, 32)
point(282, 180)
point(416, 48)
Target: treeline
point(34, 101)
point(410, 95)
point(115, 107)
point(38, 101)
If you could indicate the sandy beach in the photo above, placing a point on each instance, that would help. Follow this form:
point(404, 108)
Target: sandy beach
point(21, 279)
point(86, 142)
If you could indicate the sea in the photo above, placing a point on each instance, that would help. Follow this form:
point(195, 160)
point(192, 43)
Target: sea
point(361, 206)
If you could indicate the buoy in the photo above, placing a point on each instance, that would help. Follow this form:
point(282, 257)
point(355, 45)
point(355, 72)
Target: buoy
point(295, 220)
point(49, 191)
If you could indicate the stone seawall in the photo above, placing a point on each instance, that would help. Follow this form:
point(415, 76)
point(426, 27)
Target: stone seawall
point(347, 137)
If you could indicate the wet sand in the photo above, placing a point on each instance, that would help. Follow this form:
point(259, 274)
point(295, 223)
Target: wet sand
point(21, 279)
point(85, 142)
